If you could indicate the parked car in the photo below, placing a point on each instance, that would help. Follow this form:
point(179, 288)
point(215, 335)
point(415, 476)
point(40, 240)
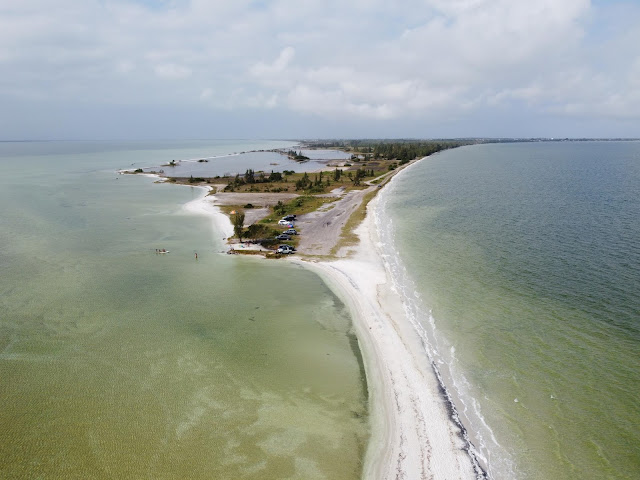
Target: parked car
point(290, 247)
point(285, 222)
point(291, 231)
point(286, 249)
point(289, 217)
point(283, 236)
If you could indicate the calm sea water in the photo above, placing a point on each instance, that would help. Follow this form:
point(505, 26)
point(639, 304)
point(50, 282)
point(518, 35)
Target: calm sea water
point(116, 362)
point(238, 163)
point(521, 262)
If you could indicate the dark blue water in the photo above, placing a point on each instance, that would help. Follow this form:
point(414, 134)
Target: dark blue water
point(526, 260)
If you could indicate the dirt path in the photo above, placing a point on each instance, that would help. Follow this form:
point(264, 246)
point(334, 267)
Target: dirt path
point(320, 230)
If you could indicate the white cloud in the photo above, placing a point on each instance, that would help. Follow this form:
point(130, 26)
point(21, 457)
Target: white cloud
point(260, 100)
point(206, 94)
point(125, 66)
point(277, 67)
point(367, 59)
point(171, 70)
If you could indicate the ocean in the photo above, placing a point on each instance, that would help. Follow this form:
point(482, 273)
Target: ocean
point(117, 362)
point(518, 263)
point(520, 266)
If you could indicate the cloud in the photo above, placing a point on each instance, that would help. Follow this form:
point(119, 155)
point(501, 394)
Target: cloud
point(423, 61)
point(206, 94)
point(171, 70)
point(277, 67)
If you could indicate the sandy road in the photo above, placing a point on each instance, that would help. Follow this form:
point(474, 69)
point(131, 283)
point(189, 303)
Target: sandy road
point(320, 230)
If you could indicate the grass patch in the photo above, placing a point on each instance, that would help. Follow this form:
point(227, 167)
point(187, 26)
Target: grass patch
point(227, 209)
point(298, 206)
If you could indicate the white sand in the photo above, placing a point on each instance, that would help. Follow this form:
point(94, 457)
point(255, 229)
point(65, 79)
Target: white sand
point(413, 436)
point(204, 206)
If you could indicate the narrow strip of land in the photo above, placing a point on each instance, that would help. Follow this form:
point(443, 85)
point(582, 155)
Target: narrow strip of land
point(413, 434)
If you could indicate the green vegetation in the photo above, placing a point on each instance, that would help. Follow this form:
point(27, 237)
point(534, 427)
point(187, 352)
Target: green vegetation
point(253, 181)
point(401, 150)
point(301, 183)
point(260, 231)
point(298, 206)
point(238, 224)
point(296, 156)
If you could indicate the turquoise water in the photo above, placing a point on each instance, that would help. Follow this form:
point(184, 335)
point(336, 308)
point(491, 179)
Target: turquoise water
point(116, 362)
point(522, 263)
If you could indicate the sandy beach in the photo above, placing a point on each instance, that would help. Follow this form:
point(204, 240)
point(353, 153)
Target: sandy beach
point(413, 435)
point(204, 206)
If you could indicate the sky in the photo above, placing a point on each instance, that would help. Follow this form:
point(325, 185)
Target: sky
point(305, 69)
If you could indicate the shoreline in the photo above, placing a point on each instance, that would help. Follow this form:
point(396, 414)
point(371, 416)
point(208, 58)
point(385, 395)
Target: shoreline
point(413, 429)
point(200, 206)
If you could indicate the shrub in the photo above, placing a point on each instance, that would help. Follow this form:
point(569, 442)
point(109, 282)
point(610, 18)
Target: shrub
point(280, 208)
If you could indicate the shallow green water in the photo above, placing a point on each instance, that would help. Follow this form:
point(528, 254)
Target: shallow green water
point(116, 362)
point(526, 263)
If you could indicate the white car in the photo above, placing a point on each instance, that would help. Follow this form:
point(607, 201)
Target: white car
point(285, 222)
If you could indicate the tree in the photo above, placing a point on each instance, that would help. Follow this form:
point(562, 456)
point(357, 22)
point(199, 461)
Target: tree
point(280, 208)
point(360, 173)
point(238, 224)
point(275, 176)
point(304, 182)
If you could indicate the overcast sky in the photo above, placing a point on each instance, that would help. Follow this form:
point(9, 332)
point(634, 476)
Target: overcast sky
point(139, 69)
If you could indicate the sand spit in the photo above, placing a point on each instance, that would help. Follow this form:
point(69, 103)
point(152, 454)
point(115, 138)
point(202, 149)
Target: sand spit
point(204, 206)
point(413, 434)
point(413, 425)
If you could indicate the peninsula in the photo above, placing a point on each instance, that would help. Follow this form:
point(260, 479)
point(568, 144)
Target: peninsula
point(415, 429)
